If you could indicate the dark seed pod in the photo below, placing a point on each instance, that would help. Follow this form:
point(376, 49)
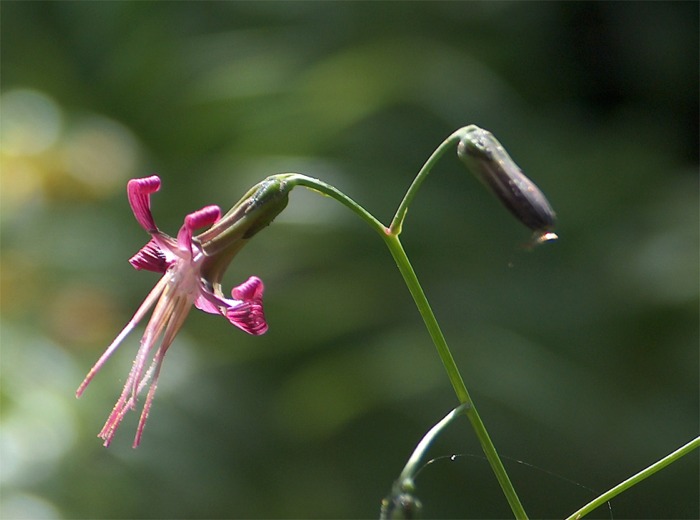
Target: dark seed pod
point(487, 159)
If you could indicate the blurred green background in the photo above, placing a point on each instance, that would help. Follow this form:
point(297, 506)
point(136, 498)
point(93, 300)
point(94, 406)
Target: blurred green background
point(581, 355)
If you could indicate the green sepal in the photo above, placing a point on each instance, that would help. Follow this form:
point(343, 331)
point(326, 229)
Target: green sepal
point(255, 211)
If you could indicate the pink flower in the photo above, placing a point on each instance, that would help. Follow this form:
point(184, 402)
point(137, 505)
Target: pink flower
point(192, 267)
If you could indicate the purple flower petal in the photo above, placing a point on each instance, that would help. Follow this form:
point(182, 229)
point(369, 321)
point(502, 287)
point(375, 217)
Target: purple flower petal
point(151, 258)
point(249, 314)
point(251, 289)
point(206, 303)
point(139, 194)
point(203, 218)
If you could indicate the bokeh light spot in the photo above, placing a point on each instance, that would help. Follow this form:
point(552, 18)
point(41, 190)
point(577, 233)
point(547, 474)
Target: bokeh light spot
point(101, 154)
point(31, 122)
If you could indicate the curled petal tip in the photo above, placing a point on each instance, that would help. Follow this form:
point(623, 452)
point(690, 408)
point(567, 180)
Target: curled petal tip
point(251, 289)
point(144, 184)
point(204, 217)
point(139, 194)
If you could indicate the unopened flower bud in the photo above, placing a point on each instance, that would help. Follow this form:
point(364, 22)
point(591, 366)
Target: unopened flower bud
point(487, 159)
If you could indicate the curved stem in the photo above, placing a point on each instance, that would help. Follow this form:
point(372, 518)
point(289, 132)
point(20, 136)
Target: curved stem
point(391, 239)
point(413, 464)
point(298, 179)
point(452, 140)
point(636, 479)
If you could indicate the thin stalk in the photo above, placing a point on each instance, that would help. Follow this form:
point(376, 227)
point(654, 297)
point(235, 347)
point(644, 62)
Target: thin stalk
point(392, 241)
point(451, 141)
point(636, 479)
point(414, 461)
point(401, 502)
point(298, 179)
point(455, 377)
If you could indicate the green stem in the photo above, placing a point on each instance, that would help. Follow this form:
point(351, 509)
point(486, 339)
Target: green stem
point(297, 179)
point(414, 461)
point(455, 377)
point(451, 141)
point(392, 241)
point(636, 479)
